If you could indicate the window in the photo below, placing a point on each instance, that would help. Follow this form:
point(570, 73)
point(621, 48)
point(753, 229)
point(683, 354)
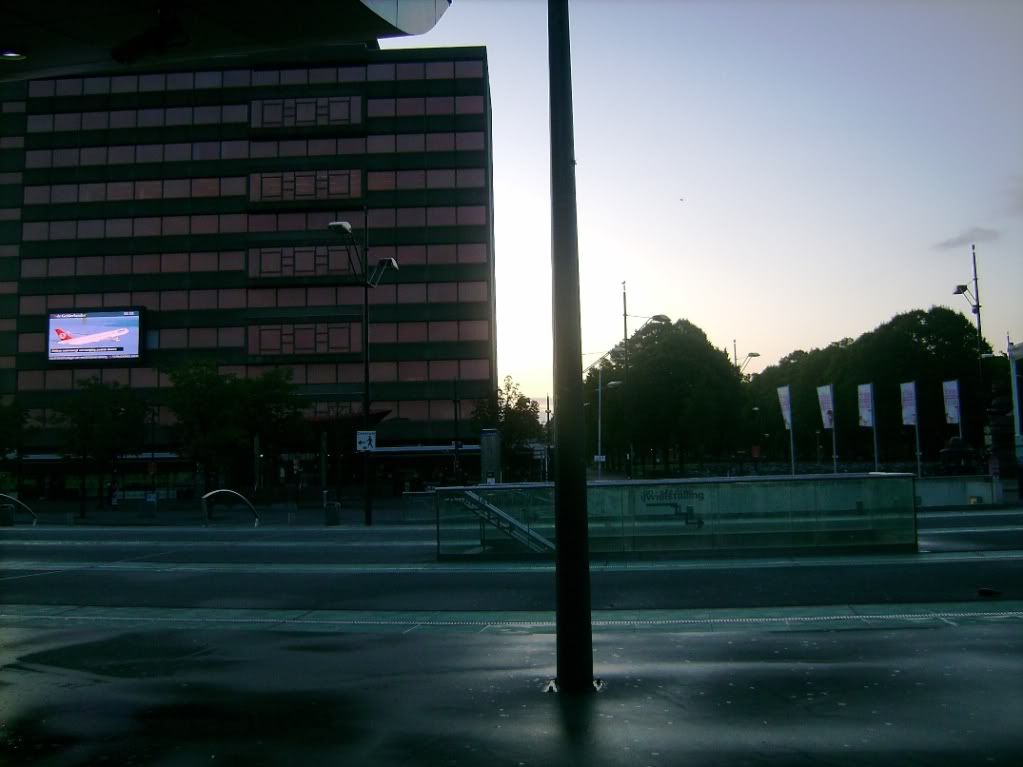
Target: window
point(443, 370)
point(123, 118)
point(208, 80)
point(379, 72)
point(440, 70)
point(440, 105)
point(203, 262)
point(71, 121)
point(150, 118)
point(472, 215)
point(441, 217)
point(442, 292)
point(469, 141)
point(473, 370)
point(472, 292)
point(440, 179)
point(412, 332)
point(202, 299)
point(383, 371)
point(443, 331)
point(473, 330)
point(95, 121)
point(202, 338)
point(468, 69)
point(442, 254)
point(173, 338)
point(149, 226)
point(174, 300)
point(149, 153)
point(231, 298)
point(469, 105)
point(237, 78)
point(469, 178)
point(412, 293)
point(383, 332)
point(228, 337)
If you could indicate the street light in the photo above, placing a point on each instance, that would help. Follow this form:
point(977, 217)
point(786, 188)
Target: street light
point(361, 266)
point(745, 362)
point(974, 299)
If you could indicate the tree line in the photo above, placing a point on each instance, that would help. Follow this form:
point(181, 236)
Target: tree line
point(682, 404)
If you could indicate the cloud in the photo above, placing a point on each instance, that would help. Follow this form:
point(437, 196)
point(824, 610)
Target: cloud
point(970, 236)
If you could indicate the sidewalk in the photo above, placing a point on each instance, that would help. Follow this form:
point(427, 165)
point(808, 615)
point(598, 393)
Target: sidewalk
point(943, 695)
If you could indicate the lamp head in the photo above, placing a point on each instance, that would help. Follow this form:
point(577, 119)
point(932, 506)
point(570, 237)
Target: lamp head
point(387, 263)
point(960, 290)
point(753, 354)
point(340, 227)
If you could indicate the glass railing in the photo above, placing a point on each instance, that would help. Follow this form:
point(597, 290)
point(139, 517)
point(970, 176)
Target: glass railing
point(650, 519)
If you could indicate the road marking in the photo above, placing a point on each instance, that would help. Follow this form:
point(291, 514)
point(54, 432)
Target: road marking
point(833, 617)
point(924, 531)
point(137, 565)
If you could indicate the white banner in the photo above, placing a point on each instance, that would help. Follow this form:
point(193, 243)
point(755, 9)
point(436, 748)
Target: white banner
point(908, 403)
point(951, 392)
point(785, 400)
point(826, 399)
point(865, 395)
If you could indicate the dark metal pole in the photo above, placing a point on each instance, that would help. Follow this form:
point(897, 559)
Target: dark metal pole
point(367, 502)
point(575, 638)
point(628, 422)
point(981, 392)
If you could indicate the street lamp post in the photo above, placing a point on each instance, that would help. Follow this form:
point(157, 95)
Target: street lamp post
point(974, 299)
point(746, 360)
point(361, 266)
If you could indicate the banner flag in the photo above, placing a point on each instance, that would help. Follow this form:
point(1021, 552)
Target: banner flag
point(826, 399)
point(951, 392)
point(785, 400)
point(865, 395)
point(908, 403)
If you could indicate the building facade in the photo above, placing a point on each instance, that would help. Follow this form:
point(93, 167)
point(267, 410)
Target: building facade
point(202, 198)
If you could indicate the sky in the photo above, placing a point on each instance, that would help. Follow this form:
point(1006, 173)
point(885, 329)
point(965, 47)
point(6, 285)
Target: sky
point(782, 173)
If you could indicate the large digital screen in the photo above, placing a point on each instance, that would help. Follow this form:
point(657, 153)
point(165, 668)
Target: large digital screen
point(110, 335)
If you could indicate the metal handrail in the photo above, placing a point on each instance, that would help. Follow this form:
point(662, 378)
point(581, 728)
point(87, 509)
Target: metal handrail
point(35, 519)
point(206, 511)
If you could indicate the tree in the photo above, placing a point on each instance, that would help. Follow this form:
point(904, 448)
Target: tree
point(106, 421)
point(222, 419)
point(12, 434)
point(682, 399)
point(923, 346)
point(205, 404)
point(517, 418)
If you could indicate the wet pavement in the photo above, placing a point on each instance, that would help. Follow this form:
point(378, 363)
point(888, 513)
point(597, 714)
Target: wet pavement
point(921, 686)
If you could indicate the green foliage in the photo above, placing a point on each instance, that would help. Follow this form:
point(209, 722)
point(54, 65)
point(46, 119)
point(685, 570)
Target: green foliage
point(513, 414)
point(219, 417)
point(517, 419)
point(105, 422)
point(12, 427)
point(923, 346)
point(680, 399)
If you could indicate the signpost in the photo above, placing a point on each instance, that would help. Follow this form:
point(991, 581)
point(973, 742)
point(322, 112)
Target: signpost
point(365, 441)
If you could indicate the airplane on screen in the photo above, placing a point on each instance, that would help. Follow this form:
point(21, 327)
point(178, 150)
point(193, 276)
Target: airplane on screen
point(92, 338)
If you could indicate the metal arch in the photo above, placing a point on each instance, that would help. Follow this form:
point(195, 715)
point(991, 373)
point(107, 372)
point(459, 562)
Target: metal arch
point(206, 511)
point(35, 519)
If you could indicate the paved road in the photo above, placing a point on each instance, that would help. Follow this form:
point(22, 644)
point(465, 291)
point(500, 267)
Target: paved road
point(393, 568)
point(233, 645)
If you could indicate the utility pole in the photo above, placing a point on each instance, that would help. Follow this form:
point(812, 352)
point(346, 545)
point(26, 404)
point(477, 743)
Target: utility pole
point(572, 565)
